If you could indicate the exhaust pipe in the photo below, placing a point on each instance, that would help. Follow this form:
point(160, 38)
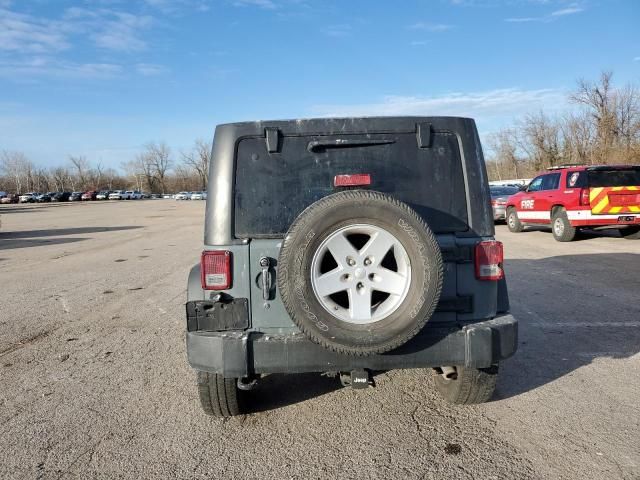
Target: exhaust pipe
point(450, 373)
point(247, 383)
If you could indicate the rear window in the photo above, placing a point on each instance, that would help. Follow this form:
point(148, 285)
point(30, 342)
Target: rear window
point(615, 177)
point(272, 189)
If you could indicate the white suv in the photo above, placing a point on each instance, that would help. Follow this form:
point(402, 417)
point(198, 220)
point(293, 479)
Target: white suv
point(199, 196)
point(133, 195)
point(118, 195)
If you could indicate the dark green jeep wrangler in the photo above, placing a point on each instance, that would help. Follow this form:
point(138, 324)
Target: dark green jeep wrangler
point(348, 246)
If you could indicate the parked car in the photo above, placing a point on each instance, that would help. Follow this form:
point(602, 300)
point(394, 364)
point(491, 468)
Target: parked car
point(358, 259)
point(134, 194)
point(499, 196)
point(43, 197)
point(90, 195)
point(103, 195)
point(9, 198)
point(118, 195)
point(167, 195)
point(199, 196)
point(3, 194)
point(571, 197)
point(183, 196)
point(28, 197)
point(61, 197)
point(75, 196)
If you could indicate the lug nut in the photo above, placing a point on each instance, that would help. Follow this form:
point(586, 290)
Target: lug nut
point(351, 262)
point(367, 261)
point(360, 286)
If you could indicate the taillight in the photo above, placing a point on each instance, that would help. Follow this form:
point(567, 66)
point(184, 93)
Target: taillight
point(352, 180)
point(215, 269)
point(584, 196)
point(489, 259)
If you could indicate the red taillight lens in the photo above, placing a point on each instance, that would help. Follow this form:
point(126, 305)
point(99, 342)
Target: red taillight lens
point(215, 269)
point(584, 196)
point(352, 180)
point(489, 259)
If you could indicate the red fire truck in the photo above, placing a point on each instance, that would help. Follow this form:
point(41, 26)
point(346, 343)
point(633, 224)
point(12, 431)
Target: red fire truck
point(571, 197)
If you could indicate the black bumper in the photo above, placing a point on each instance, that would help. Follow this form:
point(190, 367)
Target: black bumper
point(238, 354)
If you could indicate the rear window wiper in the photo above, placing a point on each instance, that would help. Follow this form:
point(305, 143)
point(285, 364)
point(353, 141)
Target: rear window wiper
point(318, 145)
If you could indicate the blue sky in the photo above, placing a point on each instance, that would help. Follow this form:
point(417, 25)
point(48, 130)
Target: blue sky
point(103, 77)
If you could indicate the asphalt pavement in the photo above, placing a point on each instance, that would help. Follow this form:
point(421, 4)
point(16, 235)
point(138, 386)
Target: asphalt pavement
point(94, 381)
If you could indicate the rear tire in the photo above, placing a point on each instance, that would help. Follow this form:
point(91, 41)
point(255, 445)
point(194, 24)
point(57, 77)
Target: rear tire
point(513, 222)
point(472, 385)
point(561, 227)
point(219, 396)
point(630, 233)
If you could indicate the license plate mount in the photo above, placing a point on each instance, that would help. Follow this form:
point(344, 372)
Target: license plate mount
point(626, 219)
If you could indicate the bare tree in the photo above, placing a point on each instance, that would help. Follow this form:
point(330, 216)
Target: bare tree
point(539, 138)
point(59, 177)
point(19, 168)
point(198, 159)
point(159, 157)
point(577, 138)
point(599, 101)
point(81, 166)
point(506, 159)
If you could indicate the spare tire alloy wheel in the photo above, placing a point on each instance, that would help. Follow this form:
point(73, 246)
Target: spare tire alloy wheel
point(360, 272)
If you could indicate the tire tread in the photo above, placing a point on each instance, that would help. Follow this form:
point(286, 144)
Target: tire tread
point(473, 385)
point(219, 396)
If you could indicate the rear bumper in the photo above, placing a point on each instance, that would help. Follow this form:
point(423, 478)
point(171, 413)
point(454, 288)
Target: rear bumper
point(584, 218)
point(238, 354)
point(499, 212)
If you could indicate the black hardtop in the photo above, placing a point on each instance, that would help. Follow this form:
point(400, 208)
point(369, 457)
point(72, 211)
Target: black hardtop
point(219, 228)
point(344, 125)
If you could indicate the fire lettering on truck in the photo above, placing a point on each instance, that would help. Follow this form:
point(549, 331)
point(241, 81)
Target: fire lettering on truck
point(527, 204)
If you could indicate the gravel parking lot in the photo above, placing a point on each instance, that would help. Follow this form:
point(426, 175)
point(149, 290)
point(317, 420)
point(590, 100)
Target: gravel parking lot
point(95, 383)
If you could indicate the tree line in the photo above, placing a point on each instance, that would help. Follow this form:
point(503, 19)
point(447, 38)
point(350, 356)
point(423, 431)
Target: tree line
point(155, 170)
point(603, 127)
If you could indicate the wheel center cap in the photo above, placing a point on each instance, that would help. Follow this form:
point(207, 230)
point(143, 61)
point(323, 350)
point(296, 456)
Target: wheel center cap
point(359, 273)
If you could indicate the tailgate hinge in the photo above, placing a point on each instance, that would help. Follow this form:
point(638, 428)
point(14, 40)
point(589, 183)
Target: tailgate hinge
point(272, 139)
point(423, 134)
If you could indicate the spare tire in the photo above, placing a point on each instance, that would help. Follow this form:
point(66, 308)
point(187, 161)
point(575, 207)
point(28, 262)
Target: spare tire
point(360, 272)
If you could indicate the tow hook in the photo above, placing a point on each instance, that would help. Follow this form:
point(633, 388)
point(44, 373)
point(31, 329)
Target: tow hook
point(358, 378)
point(247, 383)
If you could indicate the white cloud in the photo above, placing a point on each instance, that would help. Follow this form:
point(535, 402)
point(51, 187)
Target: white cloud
point(567, 11)
point(111, 29)
point(29, 70)
point(27, 34)
point(555, 15)
point(488, 106)
point(418, 43)
point(150, 69)
point(266, 4)
point(338, 30)
point(636, 59)
point(523, 19)
point(431, 27)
